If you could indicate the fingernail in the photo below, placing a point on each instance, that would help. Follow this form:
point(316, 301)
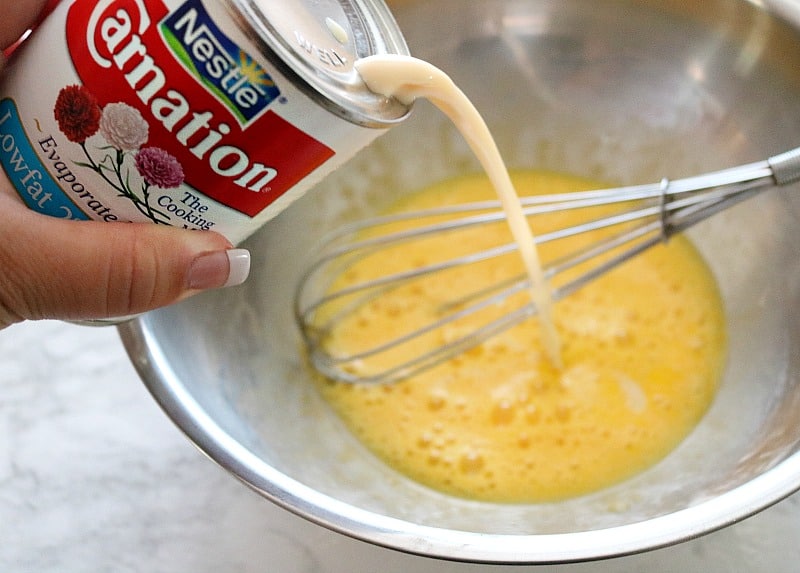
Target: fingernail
point(219, 269)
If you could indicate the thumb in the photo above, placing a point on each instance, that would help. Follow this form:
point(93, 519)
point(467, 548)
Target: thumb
point(52, 268)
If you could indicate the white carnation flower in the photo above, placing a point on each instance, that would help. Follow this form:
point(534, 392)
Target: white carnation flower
point(123, 126)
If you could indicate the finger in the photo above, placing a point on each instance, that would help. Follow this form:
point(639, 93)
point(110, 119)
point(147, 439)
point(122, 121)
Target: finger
point(50, 268)
point(16, 17)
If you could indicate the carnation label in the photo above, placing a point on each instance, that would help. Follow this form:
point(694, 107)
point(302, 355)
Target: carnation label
point(163, 112)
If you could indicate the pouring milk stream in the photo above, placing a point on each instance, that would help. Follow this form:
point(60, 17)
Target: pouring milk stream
point(408, 79)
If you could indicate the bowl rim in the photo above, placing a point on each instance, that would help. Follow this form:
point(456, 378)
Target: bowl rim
point(187, 414)
point(152, 365)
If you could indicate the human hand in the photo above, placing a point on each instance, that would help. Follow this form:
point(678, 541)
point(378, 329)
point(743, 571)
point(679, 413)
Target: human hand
point(52, 268)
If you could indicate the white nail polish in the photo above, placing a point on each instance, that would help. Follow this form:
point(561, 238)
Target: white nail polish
point(239, 260)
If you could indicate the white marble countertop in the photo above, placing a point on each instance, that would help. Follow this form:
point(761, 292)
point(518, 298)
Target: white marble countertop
point(94, 478)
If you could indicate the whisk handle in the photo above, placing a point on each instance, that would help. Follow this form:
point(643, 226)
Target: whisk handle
point(785, 166)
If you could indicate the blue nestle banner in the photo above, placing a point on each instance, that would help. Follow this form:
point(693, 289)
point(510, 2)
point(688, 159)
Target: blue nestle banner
point(26, 172)
point(227, 71)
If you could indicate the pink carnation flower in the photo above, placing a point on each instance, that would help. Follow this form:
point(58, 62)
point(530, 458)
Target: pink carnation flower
point(159, 168)
point(123, 126)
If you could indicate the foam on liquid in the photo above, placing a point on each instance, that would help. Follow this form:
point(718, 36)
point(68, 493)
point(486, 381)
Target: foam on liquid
point(642, 349)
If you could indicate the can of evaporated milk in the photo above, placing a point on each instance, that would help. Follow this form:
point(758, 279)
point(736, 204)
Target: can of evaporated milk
point(202, 114)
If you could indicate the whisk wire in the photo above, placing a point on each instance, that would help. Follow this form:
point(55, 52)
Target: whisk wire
point(660, 210)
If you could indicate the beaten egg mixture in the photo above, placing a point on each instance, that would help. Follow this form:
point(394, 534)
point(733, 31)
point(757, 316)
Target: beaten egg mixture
point(642, 351)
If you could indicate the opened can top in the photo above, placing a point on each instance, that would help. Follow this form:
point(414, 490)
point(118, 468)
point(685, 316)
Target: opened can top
point(318, 42)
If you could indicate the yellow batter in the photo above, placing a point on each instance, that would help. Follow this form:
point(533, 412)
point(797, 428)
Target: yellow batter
point(642, 350)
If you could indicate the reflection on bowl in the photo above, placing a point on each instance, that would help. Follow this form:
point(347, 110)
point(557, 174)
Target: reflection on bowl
point(630, 93)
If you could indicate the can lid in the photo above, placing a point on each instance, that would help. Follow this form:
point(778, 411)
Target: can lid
point(318, 41)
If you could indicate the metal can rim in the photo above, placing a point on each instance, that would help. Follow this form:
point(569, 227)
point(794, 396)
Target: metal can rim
point(343, 94)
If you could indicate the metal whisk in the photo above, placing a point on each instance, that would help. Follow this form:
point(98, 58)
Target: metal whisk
point(649, 215)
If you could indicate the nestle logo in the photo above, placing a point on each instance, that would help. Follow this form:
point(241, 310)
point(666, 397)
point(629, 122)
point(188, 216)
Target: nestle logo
point(220, 65)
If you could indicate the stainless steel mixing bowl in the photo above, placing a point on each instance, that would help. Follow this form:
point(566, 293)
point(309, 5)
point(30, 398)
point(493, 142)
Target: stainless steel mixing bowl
point(624, 91)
